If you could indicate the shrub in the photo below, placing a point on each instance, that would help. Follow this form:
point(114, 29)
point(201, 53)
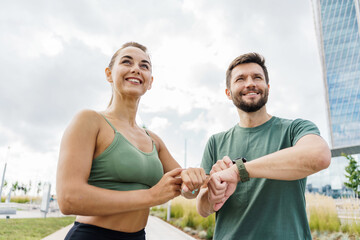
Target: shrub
point(177, 211)
point(322, 213)
point(208, 222)
point(185, 215)
point(210, 232)
point(189, 220)
point(159, 212)
point(23, 199)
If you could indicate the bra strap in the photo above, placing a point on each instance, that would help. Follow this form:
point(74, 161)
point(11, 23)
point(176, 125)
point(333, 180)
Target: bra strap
point(109, 123)
point(149, 136)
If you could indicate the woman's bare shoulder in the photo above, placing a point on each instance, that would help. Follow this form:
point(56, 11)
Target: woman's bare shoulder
point(158, 142)
point(154, 136)
point(86, 118)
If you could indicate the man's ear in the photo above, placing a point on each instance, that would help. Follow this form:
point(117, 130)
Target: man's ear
point(228, 94)
point(108, 75)
point(151, 81)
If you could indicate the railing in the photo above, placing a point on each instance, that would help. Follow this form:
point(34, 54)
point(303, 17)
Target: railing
point(348, 209)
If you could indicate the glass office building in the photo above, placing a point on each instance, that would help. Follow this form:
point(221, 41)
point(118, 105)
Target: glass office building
point(338, 33)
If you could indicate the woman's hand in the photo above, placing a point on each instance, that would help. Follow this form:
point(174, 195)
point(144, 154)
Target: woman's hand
point(167, 188)
point(193, 179)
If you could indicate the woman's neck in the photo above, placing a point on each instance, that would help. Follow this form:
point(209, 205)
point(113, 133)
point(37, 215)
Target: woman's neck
point(124, 110)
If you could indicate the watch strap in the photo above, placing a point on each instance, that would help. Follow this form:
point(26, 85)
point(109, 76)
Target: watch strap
point(244, 175)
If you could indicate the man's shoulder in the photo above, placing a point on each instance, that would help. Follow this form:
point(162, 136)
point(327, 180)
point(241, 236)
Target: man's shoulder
point(298, 127)
point(288, 122)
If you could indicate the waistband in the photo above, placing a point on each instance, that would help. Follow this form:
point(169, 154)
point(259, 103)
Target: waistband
point(107, 233)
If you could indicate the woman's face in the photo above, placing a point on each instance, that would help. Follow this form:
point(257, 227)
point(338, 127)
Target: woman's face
point(131, 72)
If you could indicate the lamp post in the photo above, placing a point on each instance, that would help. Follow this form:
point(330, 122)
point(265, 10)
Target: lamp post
point(3, 176)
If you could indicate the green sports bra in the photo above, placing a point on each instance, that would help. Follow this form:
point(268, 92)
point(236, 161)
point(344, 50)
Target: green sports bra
point(124, 167)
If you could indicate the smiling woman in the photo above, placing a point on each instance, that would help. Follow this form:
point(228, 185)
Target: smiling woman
point(129, 44)
point(111, 171)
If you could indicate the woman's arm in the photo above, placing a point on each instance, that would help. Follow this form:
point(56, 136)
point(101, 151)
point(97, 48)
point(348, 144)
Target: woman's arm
point(193, 178)
point(76, 196)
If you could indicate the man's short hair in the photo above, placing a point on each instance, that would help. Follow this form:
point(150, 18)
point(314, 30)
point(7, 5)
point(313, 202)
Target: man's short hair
point(246, 58)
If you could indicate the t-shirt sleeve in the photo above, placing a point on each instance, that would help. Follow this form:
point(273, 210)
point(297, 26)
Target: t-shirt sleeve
point(208, 156)
point(300, 128)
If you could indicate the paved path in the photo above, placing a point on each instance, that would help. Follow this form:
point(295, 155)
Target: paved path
point(156, 229)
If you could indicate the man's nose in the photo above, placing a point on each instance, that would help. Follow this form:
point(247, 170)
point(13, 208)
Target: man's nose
point(250, 82)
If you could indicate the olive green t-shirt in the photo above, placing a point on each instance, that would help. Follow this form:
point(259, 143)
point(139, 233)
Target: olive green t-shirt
point(261, 208)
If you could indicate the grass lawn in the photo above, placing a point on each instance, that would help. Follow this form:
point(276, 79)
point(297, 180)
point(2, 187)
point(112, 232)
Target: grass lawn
point(31, 228)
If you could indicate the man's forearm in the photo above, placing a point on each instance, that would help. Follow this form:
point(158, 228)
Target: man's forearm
point(203, 205)
point(307, 157)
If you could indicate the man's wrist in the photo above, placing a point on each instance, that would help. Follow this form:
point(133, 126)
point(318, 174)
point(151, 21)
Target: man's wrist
point(236, 170)
point(241, 169)
point(210, 206)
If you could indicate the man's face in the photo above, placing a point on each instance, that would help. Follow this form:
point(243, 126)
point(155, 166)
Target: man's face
point(248, 89)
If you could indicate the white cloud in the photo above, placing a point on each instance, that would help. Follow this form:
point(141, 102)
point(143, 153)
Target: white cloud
point(53, 60)
point(158, 124)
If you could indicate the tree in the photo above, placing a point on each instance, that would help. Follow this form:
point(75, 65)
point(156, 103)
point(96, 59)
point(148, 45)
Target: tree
point(353, 174)
point(24, 188)
point(15, 186)
point(38, 190)
point(29, 186)
point(5, 184)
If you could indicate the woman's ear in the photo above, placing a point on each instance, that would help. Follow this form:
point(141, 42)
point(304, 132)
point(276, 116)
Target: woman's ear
point(108, 75)
point(151, 81)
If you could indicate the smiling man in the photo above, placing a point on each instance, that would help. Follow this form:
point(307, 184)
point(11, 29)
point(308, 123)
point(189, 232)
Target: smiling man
point(260, 195)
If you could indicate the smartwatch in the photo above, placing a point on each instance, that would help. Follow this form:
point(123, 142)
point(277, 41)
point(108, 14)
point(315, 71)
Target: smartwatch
point(244, 175)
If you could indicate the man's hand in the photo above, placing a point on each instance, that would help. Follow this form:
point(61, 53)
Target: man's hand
point(220, 165)
point(222, 185)
point(216, 193)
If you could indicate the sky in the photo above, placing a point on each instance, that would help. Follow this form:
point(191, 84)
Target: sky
point(53, 55)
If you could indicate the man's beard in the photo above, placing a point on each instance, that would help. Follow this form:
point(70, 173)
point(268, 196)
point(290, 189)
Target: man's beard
point(252, 106)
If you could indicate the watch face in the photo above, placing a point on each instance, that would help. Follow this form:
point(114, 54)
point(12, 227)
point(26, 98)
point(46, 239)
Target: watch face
point(242, 158)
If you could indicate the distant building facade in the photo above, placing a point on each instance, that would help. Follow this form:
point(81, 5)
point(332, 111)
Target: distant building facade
point(326, 190)
point(338, 33)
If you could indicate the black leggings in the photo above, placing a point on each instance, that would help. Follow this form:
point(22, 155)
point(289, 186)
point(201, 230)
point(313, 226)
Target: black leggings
point(83, 231)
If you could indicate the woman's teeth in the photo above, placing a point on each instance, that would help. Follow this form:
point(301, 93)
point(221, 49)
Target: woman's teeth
point(133, 80)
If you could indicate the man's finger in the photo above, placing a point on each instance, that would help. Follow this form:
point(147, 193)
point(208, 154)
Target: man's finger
point(227, 161)
point(221, 164)
point(217, 206)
